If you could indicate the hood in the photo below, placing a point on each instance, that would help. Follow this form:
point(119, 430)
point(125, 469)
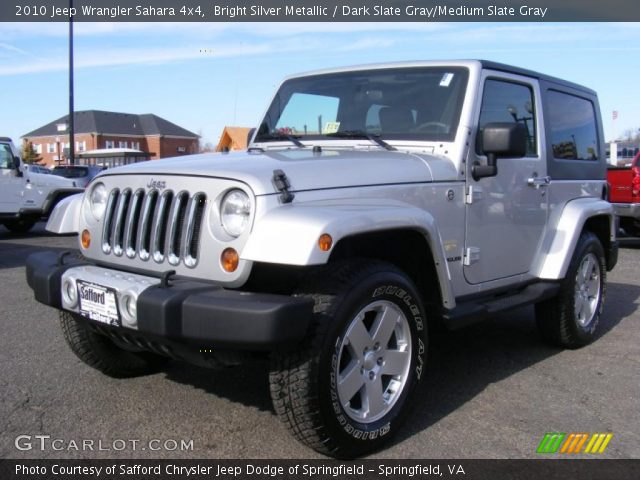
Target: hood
point(304, 169)
point(50, 180)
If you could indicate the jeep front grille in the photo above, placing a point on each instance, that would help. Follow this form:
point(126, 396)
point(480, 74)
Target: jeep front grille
point(150, 224)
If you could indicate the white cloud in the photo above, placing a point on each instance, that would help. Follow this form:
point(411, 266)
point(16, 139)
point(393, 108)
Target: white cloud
point(12, 49)
point(97, 41)
point(100, 57)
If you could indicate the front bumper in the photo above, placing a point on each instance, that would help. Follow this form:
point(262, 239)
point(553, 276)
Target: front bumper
point(627, 210)
point(196, 314)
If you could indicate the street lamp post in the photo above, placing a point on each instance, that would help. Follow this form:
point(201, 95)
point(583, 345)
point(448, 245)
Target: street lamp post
point(72, 143)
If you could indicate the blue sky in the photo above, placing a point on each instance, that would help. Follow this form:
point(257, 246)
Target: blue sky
point(204, 76)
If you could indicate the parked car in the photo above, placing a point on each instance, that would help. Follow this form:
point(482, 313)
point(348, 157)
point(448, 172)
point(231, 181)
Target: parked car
point(624, 193)
point(371, 204)
point(81, 174)
point(26, 194)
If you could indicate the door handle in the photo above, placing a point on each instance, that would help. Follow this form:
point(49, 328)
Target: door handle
point(537, 182)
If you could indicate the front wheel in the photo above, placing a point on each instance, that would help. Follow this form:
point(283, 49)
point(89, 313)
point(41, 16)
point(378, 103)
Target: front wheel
point(19, 226)
point(570, 319)
point(104, 355)
point(348, 388)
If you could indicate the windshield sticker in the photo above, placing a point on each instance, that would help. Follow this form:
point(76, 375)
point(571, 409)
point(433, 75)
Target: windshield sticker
point(446, 79)
point(330, 127)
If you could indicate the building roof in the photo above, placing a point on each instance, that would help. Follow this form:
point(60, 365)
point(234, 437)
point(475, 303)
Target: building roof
point(115, 123)
point(234, 138)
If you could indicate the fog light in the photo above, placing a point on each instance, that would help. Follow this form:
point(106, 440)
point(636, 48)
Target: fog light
point(229, 260)
point(325, 242)
point(70, 293)
point(129, 309)
point(85, 239)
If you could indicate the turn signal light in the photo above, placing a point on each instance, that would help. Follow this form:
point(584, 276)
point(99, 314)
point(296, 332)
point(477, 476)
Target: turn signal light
point(85, 239)
point(325, 242)
point(229, 260)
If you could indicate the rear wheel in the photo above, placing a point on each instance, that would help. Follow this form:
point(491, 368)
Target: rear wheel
point(570, 319)
point(101, 353)
point(348, 388)
point(19, 226)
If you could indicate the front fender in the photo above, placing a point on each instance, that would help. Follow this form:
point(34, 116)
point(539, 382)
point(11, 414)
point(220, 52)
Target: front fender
point(289, 234)
point(555, 260)
point(65, 217)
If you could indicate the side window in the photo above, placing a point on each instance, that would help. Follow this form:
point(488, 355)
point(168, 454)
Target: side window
point(6, 156)
point(573, 127)
point(504, 101)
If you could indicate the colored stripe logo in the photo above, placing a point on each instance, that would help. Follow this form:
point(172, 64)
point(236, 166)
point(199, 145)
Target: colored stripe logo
point(556, 442)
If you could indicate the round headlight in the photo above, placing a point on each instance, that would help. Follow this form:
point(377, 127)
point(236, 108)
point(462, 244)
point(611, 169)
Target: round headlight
point(234, 212)
point(98, 200)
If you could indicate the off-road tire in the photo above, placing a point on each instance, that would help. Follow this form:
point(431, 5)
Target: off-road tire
point(101, 353)
point(19, 226)
point(556, 318)
point(303, 382)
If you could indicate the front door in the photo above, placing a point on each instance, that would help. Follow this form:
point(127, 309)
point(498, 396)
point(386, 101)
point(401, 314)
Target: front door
point(10, 183)
point(506, 214)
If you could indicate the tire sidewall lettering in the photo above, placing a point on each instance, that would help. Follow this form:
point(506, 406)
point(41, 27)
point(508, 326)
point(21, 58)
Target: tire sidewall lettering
point(405, 300)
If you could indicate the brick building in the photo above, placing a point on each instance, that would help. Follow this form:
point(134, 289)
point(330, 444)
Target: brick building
point(96, 129)
point(234, 138)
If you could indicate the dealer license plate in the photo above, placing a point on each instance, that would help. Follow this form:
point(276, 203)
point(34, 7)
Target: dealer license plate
point(98, 303)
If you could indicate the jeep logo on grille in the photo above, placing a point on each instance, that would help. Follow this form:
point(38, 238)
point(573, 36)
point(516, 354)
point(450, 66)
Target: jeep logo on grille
point(159, 184)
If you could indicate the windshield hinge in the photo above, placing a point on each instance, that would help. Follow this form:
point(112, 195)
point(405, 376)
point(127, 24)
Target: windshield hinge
point(281, 184)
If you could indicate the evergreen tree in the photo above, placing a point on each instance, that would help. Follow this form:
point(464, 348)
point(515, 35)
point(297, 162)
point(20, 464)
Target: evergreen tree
point(29, 154)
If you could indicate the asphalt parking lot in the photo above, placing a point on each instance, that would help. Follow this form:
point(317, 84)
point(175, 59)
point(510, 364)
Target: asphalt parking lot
point(492, 390)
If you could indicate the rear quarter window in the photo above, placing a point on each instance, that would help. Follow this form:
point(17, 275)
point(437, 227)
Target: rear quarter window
point(573, 130)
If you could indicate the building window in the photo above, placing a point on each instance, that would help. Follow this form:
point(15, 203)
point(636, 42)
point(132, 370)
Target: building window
point(51, 148)
point(81, 146)
point(122, 144)
point(135, 145)
point(37, 147)
point(109, 144)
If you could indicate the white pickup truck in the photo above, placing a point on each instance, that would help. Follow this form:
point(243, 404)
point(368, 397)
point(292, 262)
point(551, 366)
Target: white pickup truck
point(372, 203)
point(27, 196)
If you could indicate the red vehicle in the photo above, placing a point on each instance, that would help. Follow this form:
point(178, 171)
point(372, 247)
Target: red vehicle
point(624, 193)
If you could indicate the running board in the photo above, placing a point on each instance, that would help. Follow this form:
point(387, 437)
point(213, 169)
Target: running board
point(475, 311)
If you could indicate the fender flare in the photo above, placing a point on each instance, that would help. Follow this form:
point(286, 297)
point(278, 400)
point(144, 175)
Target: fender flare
point(288, 235)
point(65, 217)
point(562, 240)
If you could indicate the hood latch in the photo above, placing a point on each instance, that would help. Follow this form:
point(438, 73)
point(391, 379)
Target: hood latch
point(281, 184)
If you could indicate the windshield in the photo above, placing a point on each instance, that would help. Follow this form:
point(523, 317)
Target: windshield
point(71, 172)
point(401, 103)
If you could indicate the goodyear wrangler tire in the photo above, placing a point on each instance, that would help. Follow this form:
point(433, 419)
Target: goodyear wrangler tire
point(101, 353)
point(349, 387)
point(570, 319)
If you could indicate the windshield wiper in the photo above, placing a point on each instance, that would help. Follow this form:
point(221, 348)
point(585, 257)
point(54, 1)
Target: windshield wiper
point(362, 134)
point(282, 136)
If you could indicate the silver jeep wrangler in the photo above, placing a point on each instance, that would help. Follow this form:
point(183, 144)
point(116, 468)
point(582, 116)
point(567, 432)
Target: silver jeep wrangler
point(372, 203)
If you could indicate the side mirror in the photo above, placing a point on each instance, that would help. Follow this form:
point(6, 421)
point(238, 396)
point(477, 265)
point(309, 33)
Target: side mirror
point(16, 166)
point(506, 140)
